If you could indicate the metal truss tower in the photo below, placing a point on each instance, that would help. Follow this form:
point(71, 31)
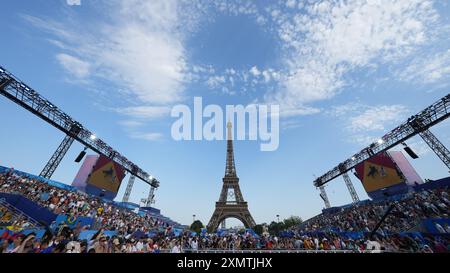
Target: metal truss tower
point(349, 184)
point(324, 196)
point(23, 95)
point(417, 124)
point(151, 197)
point(130, 184)
point(438, 148)
point(56, 158)
point(350, 187)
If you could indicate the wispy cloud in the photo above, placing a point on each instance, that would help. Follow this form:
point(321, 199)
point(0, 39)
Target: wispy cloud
point(74, 66)
point(147, 136)
point(141, 49)
point(364, 123)
point(427, 69)
point(144, 112)
point(130, 124)
point(376, 118)
point(326, 40)
point(73, 2)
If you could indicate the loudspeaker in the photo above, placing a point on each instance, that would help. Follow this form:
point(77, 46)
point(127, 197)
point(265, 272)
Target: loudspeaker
point(411, 153)
point(80, 157)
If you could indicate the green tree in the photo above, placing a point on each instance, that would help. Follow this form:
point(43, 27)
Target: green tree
point(197, 226)
point(292, 222)
point(275, 228)
point(258, 229)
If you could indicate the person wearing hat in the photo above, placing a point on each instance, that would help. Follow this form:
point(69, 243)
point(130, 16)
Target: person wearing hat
point(70, 247)
point(116, 247)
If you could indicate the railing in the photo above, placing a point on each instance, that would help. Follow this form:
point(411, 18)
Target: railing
point(18, 212)
point(269, 251)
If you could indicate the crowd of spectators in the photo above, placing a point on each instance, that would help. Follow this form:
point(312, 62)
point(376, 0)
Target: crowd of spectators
point(66, 241)
point(132, 229)
point(406, 214)
point(75, 204)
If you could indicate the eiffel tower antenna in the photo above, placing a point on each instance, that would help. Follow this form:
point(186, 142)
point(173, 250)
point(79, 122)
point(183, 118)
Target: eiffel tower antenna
point(225, 208)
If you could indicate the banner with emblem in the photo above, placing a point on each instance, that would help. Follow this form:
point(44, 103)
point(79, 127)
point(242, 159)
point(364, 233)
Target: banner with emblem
point(106, 175)
point(378, 172)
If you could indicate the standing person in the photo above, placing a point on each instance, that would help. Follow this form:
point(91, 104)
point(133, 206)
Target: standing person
point(176, 248)
point(316, 242)
point(194, 244)
point(116, 247)
point(101, 246)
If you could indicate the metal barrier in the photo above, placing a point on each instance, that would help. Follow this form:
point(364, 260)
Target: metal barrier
point(269, 251)
point(18, 212)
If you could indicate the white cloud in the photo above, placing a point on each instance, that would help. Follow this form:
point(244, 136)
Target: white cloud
point(365, 124)
point(376, 118)
point(267, 75)
point(215, 81)
point(255, 71)
point(129, 124)
point(139, 47)
point(74, 66)
point(428, 69)
point(291, 3)
point(73, 2)
point(150, 64)
point(332, 38)
point(299, 111)
point(147, 136)
point(226, 80)
point(144, 112)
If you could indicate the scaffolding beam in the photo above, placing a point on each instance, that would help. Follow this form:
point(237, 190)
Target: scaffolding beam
point(351, 189)
point(349, 184)
point(324, 196)
point(151, 195)
point(430, 116)
point(56, 158)
point(126, 196)
point(23, 95)
point(438, 148)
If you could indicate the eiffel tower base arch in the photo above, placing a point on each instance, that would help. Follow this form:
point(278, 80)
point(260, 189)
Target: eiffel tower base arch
point(223, 211)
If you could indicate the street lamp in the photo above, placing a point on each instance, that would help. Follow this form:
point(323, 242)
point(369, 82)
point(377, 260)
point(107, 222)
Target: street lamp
point(278, 218)
point(193, 218)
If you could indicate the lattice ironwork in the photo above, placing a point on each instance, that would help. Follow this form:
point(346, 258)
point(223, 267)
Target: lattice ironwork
point(324, 196)
point(438, 148)
point(126, 196)
point(25, 96)
point(349, 184)
point(56, 158)
point(430, 116)
point(231, 203)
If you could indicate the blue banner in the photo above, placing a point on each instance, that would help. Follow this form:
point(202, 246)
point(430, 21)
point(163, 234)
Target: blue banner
point(72, 221)
point(437, 226)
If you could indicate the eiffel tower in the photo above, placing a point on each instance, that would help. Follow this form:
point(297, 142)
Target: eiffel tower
point(231, 204)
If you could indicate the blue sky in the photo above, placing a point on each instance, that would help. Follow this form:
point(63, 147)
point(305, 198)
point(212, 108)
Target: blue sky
point(343, 73)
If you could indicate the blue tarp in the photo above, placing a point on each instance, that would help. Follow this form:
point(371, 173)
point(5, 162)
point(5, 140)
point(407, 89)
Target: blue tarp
point(431, 225)
point(154, 212)
point(30, 208)
point(87, 234)
point(39, 232)
point(73, 221)
point(441, 183)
